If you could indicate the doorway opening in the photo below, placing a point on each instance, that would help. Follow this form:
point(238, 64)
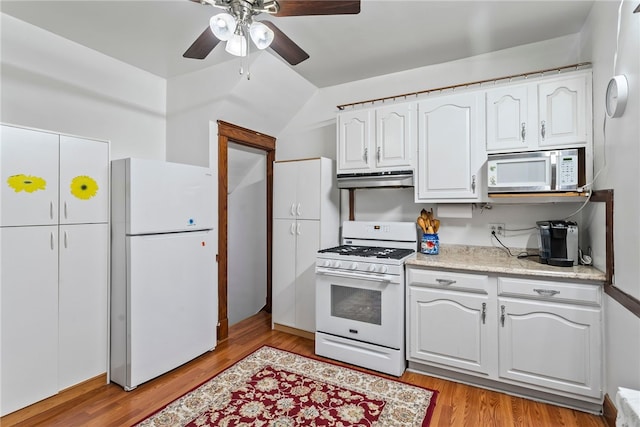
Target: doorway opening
point(236, 136)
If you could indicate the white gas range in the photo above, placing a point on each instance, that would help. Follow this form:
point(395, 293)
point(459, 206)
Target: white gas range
point(360, 299)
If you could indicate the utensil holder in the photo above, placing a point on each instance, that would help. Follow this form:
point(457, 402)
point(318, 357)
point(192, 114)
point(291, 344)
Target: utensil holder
point(430, 244)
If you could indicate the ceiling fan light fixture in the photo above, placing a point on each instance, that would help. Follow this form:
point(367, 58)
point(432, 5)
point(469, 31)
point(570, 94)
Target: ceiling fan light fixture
point(237, 44)
point(223, 26)
point(261, 35)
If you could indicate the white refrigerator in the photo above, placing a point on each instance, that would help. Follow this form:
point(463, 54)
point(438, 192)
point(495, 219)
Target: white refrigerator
point(164, 292)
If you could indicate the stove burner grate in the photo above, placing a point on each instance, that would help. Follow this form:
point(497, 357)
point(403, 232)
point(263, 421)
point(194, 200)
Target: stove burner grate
point(369, 251)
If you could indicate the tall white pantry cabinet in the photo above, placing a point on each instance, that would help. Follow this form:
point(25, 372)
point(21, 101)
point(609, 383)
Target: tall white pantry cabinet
point(54, 244)
point(305, 220)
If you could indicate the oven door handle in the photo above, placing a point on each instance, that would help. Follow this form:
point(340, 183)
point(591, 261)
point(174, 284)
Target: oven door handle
point(350, 275)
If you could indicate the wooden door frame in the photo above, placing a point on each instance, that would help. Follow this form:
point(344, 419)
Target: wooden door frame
point(228, 132)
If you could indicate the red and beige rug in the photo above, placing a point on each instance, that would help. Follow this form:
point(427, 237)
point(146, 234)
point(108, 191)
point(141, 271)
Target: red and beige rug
point(272, 387)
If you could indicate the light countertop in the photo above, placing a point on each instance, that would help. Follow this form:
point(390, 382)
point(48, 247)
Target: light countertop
point(483, 259)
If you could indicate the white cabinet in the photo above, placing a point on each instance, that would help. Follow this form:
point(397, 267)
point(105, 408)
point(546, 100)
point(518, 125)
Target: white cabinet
point(84, 178)
point(450, 152)
point(440, 311)
point(563, 320)
point(29, 168)
point(377, 139)
point(305, 219)
point(82, 295)
point(29, 279)
point(54, 261)
point(548, 113)
point(513, 334)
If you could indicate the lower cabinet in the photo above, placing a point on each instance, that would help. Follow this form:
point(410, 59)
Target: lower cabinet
point(449, 322)
point(54, 309)
point(513, 334)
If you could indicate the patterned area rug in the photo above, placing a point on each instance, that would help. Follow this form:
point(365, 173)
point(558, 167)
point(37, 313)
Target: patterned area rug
point(272, 387)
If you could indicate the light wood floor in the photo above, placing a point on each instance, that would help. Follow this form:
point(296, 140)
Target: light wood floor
point(457, 404)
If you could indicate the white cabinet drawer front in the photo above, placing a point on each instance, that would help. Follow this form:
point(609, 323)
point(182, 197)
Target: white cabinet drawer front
point(448, 280)
point(550, 291)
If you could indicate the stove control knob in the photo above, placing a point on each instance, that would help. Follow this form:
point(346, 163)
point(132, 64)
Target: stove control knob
point(353, 266)
point(384, 269)
point(372, 268)
point(326, 263)
point(337, 264)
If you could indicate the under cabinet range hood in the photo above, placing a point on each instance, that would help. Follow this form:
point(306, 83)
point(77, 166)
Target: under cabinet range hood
point(402, 178)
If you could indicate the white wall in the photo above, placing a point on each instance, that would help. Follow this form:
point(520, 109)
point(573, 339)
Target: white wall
point(51, 83)
point(619, 145)
point(265, 103)
point(247, 232)
point(312, 132)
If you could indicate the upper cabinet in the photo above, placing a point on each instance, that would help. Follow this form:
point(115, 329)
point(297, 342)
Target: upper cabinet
point(50, 178)
point(450, 149)
point(551, 112)
point(378, 139)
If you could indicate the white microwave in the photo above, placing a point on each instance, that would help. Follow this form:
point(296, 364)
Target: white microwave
point(536, 171)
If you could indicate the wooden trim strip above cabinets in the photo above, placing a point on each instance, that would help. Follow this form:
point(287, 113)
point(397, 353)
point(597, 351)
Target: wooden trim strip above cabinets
point(627, 301)
point(466, 85)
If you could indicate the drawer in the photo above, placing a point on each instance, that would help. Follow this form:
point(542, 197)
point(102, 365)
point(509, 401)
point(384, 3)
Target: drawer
point(579, 293)
point(420, 277)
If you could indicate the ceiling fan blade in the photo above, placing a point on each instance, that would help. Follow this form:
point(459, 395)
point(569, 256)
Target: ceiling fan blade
point(202, 46)
point(285, 47)
point(318, 7)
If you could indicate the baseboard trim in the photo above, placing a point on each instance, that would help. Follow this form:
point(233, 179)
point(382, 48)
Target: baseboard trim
point(294, 331)
point(62, 397)
point(609, 411)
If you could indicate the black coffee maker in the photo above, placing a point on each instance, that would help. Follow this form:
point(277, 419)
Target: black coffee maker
point(558, 243)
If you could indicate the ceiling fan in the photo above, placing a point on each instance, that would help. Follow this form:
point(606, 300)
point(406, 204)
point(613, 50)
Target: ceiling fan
point(236, 25)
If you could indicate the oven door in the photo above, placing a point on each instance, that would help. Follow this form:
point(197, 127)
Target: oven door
point(366, 307)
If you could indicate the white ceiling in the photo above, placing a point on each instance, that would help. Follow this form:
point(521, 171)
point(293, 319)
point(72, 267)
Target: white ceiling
point(387, 36)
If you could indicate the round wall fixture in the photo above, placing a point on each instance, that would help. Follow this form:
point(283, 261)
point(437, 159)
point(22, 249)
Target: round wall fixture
point(616, 98)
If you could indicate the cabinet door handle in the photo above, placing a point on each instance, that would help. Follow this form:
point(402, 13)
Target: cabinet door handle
point(66, 239)
point(65, 209)
point(484, 312)
point(502, 308)
point(546, 292)
point(445, 282)
point(52, 241)
point(298, 229)
point(366, 155)
point(51, 209)
point(523, 132)
point(292, 230)
point(299, 210)
point(473, 183)
point(378, 154)
point(293, 209)
point(543, 129)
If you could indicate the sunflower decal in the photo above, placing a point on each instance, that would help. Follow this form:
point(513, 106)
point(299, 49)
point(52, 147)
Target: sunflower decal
point(26, 183)
point(84, 187)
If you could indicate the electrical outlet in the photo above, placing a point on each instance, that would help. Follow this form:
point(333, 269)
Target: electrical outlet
point(498, 228)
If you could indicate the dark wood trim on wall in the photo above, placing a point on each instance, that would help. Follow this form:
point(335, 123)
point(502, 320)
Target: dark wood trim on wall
point(352, 204)
point(228, 132)
point(609, 411)
point(628, 301)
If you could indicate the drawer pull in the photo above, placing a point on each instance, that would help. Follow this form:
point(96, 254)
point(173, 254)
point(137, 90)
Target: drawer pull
point(546, 292)
point(445, 282)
